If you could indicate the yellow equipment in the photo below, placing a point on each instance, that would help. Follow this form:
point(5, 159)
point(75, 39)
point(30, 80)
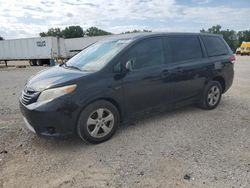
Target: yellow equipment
point(245, 48)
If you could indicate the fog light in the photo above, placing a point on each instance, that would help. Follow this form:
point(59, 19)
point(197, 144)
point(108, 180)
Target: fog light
point(51, 130)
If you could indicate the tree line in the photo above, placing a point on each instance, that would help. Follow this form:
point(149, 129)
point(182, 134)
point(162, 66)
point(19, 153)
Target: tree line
point(77, 31)
point(74, 32)
point(232, 37)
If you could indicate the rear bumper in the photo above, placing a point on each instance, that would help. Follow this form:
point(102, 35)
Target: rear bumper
point(52, 120)
point(245, 52)
point(229, 77)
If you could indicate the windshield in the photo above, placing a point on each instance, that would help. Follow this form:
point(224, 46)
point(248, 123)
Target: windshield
point(96, 56)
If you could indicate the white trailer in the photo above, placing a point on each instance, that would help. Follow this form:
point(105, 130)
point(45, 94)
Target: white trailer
point(38, 50)
point(75, 45)
point(43, 50)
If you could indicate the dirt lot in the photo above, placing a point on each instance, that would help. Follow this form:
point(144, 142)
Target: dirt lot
point(208, 148)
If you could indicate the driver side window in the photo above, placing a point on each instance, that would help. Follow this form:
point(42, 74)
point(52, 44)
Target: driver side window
point(146, 53)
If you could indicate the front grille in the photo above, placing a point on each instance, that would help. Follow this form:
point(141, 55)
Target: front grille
point(29, 96)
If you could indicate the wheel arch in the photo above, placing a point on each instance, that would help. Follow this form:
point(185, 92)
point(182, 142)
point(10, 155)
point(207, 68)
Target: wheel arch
point(221, 80)
point(114, 102)
point(108, 99)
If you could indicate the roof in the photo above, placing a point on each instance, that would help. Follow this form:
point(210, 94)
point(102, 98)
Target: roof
point(134, 36)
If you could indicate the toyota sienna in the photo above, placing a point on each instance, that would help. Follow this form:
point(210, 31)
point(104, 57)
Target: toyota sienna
point(123, 77)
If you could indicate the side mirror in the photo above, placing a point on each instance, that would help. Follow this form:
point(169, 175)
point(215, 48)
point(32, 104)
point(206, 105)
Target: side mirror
point(129, 66)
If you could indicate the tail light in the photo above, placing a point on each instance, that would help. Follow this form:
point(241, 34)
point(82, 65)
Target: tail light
point(232, 58)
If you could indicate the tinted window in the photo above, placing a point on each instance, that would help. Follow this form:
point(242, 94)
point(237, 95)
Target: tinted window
point(214, 45)
point(184, 48)
point(146, 53)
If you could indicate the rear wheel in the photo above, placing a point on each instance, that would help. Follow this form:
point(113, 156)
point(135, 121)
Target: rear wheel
point(211, 96)
point(98, 122)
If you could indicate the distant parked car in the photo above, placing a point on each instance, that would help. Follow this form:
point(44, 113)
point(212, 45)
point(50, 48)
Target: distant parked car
point(124, 77)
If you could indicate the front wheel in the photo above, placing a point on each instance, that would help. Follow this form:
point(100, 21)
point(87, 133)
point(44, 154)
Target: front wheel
point(211, 96)
point(98, 122)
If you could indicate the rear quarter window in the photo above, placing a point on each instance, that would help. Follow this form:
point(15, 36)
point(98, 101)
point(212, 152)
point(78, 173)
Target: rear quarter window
point(215, 46)
point(184, 48)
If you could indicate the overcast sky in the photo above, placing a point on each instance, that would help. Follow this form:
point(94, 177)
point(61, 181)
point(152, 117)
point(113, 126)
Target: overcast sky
point(27, 18)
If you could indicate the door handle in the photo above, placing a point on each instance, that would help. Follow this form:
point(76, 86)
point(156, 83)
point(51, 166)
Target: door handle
point(165, 73)
point(179, 70)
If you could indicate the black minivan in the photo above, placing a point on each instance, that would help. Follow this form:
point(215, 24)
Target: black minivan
point(123, 77)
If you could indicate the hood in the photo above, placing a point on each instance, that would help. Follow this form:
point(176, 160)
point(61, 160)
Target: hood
point(53, 76)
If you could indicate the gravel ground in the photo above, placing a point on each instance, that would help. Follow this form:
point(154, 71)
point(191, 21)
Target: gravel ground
point(188, 147)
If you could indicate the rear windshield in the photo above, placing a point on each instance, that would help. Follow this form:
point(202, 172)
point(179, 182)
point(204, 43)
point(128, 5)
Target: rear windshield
point(215, 46)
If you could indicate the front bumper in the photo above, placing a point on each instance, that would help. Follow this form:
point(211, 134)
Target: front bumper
point(28, 125)
point(53, 119)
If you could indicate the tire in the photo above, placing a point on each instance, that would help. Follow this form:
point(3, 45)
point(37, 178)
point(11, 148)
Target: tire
point(39, 62)
point(211, 95)
point(32, 62)
point(98, 122)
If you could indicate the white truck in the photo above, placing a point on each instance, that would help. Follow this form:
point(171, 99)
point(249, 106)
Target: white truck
point(43, 50)
point(75, 45)
point(38, 50)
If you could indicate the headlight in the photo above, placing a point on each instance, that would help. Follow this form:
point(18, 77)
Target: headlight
point(50, 94)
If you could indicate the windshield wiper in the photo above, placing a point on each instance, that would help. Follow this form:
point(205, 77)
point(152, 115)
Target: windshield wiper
point(72, 67)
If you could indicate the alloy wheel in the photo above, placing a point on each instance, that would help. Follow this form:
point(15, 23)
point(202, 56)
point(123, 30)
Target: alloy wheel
point(100, 123)
point(213, 95)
